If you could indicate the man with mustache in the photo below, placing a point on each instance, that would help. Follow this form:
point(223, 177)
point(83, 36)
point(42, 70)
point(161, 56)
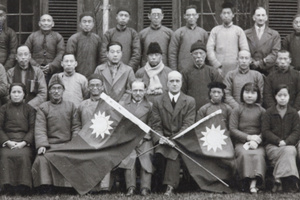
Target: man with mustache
point(46, 46)
point(196, 77)
point(139, 106)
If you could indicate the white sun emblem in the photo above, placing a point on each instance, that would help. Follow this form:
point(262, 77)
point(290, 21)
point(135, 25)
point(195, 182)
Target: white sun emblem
point(214, 138)
point(101, 125)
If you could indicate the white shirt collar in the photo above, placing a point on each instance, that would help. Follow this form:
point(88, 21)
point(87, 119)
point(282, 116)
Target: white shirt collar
point(262, 28)
point(176, 96)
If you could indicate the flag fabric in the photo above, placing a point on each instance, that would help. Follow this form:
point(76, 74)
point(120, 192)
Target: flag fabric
point(98, 148)
point(210, 145)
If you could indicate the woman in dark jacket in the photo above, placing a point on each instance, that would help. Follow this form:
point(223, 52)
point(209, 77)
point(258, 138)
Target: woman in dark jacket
point(280, 128)
point(16, 140)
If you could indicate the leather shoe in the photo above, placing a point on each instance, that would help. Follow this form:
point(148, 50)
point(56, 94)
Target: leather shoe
point(145, 192)
point(169, 191)
point(130, 191)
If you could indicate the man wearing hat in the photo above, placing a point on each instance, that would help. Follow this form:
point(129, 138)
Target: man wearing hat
point(9, 42)
point(55, 124)
point(225, 41)
point(85, 113)
point(224, 168)
point(76, 85)
point(197, 76)
point(126, 36)
point(154, 73)
point(155, 32)
point(236, 79)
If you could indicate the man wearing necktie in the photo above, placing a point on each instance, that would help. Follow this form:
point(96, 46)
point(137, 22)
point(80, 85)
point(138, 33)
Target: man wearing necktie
point(264, 43)
point(172, 113)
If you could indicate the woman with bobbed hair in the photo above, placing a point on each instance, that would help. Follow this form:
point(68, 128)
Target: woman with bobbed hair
point(245, 126)
point(280, 128)
point(16, 140)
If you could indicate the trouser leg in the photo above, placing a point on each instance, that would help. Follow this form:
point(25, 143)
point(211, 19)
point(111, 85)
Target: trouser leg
point(130, 177)
point(172, 172)
point(145, 179)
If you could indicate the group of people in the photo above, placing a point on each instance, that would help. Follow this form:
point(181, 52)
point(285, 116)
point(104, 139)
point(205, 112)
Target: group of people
point(169, 80)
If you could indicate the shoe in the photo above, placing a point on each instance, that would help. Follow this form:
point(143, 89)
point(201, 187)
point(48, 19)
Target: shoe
point(253, 190)
point(145, 192)
point(293, 188)
point(169, 191)
point(277, 187)
point(130, 191)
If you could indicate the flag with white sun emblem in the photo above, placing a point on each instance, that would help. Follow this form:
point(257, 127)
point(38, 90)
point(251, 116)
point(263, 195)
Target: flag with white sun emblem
point(98, 148)
point(214, 138)
point(210, 145)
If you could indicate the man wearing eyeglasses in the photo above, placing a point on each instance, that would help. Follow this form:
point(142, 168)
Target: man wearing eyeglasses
point(225, 41)
point(55, 124)
point(197, 76)
point(156, 32)
point(183, 38)
point(75, 83)
point(140, 107)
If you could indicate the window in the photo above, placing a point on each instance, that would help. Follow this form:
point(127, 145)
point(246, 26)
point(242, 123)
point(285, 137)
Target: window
point(64, 14)
point(281, 15)
point(166, 5)
point(21, 17)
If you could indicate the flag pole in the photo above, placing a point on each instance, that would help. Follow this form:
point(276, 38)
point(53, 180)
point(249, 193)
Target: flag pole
point(148, 150)
point(212, 174)
point(146, 128)
point(197, 123)
point(170, 143)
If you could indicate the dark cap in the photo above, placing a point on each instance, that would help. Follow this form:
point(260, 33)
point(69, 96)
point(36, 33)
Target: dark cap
point(216, 85)
point(123, 9)
point(227, 5)
point(198, 45)
point(95, 76)
point(55, 80)
point(154, 47)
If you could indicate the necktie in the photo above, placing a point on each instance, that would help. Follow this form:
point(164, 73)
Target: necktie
point(259, 34)
point(173, 102)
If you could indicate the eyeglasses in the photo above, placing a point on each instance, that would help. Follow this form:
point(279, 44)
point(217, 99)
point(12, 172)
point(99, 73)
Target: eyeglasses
point(138, 91)
point(94, 86)
point(54, 89)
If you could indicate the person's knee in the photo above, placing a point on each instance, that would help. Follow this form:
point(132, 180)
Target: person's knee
point(290, 150)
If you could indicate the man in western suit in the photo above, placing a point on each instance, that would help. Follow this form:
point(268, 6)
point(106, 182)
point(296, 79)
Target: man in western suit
point(172, 113)
point(264, 43)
